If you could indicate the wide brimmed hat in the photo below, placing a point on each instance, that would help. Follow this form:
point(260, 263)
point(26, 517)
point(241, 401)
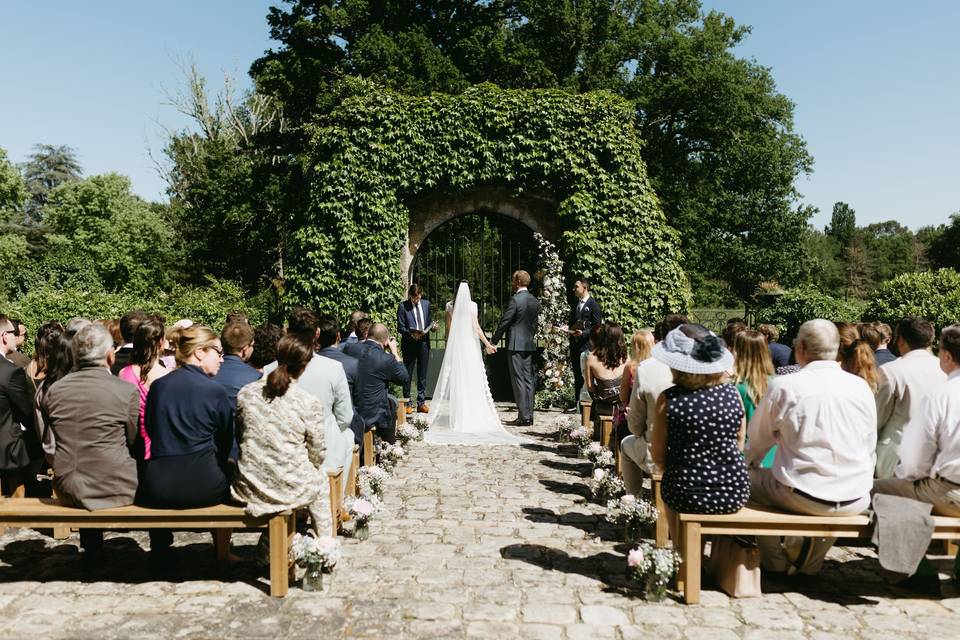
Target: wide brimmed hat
point(704, 355)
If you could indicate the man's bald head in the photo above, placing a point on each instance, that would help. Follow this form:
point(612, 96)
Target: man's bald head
point(379, 333)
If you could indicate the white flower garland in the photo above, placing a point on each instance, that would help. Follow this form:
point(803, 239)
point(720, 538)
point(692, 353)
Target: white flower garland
point(555, 380)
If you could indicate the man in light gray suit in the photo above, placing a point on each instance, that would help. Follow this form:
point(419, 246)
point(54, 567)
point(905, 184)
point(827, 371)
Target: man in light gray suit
point(519, 322)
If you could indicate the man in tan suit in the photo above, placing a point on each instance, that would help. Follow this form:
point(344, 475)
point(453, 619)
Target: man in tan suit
point(903, 384)
point(95, 417)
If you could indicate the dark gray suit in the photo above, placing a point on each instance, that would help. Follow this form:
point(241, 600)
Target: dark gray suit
point(519, 322)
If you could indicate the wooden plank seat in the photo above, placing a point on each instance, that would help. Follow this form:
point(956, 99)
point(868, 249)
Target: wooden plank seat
point(47, 512)
point(755, 520)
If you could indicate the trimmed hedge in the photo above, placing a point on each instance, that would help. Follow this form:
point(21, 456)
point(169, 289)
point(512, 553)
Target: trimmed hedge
point(797, 306)
point(934, 295)
point(379, 149)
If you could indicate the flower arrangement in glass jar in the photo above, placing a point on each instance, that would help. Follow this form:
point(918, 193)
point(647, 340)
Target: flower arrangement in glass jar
point(370, 481)
point(606, 486)
point(389, 454)
point(592, 451)
point(580, 436)
point(408, 432)
point(361, 510)
point(653, 568)
point(316, 555)
point(635, 514)
point(421, 423)
point(564, 426)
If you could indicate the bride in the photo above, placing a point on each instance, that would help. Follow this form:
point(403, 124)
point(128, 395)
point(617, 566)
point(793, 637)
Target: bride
point(463, 411)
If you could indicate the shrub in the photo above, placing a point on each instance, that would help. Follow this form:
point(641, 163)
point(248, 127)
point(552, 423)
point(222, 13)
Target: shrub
point(797, 306)
point(934, 295)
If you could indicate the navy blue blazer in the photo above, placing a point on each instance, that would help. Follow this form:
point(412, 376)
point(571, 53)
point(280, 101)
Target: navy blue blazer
point(590, 316)
point(235, 374)
point(780, 354)
point(407, 321)
point(377, 370)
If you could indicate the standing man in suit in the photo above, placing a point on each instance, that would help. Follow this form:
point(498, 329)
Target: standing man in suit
point(380, 366)
point(584, 315)
point(414, 324)
point(128, 326)
point(19, 443)
point(519, 322)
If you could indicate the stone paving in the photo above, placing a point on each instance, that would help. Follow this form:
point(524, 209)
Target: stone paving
point(491, 542)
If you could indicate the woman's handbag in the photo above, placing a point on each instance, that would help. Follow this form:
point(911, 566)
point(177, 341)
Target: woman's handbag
point(735, 566)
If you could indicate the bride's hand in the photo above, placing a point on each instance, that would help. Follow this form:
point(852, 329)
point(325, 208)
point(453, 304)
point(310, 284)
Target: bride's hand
point(490, 349)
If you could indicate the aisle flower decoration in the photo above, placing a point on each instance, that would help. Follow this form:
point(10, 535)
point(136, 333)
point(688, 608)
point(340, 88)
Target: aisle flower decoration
point(606, 486)
point(421, 423)
point(361, 510)
point(634, 514)
point(653, 568)
point(592, 451)
point(316, 555)
point(390, 454)
point(555, 377)
point(408, 432)
point(370, 481)
point(580, 436)
point(564, 425)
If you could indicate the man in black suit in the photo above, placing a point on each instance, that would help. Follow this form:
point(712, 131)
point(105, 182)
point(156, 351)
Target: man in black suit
point(519, 322)
point(414, 323)
point(360, 345)
point(128, 325)
point(328, 341)
point(584, 315)
point(377, 370)
point(20, 452)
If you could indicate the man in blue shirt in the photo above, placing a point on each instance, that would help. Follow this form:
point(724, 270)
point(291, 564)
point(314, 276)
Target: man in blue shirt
point(235, 373)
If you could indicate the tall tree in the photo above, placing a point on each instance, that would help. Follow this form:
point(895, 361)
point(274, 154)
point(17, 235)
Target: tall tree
point(48, 167)
point(945, 248)
point(721, 151)
point(12, 190)
point(843, 224)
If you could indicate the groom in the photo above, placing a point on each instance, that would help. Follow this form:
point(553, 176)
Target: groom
point(519, 321)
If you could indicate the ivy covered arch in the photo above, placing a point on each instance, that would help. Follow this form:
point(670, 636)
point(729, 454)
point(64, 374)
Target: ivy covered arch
point(379, 150)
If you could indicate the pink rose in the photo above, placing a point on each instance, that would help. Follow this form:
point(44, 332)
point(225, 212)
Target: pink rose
point(598, 474)
point(635, 558)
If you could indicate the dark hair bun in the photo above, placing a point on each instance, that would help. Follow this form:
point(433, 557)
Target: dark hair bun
point(707, 349)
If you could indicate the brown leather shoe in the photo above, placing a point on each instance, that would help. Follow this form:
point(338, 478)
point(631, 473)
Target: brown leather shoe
point(424, 408)
point(408, 410)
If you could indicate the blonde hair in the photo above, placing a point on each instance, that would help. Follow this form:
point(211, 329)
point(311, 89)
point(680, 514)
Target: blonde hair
point(694, 381)
point(752, 362)
point(640, 345)
point(186, 341)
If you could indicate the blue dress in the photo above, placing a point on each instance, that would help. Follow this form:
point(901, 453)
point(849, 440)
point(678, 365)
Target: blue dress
point(705, 470)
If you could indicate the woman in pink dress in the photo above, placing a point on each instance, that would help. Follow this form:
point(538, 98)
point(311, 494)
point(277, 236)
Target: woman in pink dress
point(143, 369)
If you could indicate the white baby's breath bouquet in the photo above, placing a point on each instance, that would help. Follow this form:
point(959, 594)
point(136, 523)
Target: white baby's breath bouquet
point(322, 552)
point(371, 479)
point(654, 568)
point(580, 436)
point(606, 486)
point(362, 509)
point(408, 432)
point(633, 513)
point(564, 425)
point(592, 451)
point(421, 423)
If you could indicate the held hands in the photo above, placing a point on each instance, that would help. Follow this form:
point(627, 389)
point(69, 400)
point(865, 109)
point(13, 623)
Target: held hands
point(490, 349)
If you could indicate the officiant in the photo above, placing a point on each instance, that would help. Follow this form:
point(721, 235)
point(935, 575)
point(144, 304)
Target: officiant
point(414, 324)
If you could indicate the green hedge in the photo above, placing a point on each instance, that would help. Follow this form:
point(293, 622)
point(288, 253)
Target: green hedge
point(379, 149)
point(934, 295)
point(797, 306)
point(207, 305)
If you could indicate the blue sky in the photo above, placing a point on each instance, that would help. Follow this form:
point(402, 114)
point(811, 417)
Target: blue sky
point(875, 84)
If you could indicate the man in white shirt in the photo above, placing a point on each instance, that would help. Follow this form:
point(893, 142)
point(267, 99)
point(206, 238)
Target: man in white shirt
point(650, 379)
point(903, 385)
point(929, 468)
point(823, 422)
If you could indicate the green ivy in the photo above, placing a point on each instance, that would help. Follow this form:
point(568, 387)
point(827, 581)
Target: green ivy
point(934, 295)
point(379, 149)
point(797, 306)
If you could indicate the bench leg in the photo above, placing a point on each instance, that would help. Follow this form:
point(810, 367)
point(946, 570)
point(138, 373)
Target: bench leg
point(402, 411)
point(606, 432)
point(951, 547)
point(369, 454)
point(352, 488)
point(585, 413)
point(280, 527)
point(663, 524)
point(335, 479)
point(690, 542)
point(221, 544)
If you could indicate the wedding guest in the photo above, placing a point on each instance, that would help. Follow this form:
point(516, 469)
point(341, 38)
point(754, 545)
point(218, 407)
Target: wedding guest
point(596, 334)
point(112, 325)
point(584, 315)
point(328, 340)
point(94, 418)
point(57, 355)
point(128, 324)
point(734, 326)
point(20, 451)
point(282, 441)
point(236, 316)
point(699, 426)
point(326, 381)
point(351, 330)
point(265, 339)
point(145, 369)
point(650, 378)
point(903, 385)
point(238, 343)
point(360, 347)
point(641, 342)
point(754, 372)
point(929, 467)
point(882, 353)
point(779, 353)
point(823, 421)
point(37, 368)
point(604, 371)
point(20, 336)
point(380, 366)
point(855, 355)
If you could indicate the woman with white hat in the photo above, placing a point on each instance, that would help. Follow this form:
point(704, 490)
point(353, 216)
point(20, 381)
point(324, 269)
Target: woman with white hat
point(699, 426)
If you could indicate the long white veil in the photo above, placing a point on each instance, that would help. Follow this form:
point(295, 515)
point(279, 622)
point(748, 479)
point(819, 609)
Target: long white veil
point(462, 410)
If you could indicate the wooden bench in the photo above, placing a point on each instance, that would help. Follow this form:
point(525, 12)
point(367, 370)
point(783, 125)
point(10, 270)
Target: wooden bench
point(761, 521)
point(47, 512)
point(662, 534)
point(353, 488)
point(585, 406)
point(402, 410)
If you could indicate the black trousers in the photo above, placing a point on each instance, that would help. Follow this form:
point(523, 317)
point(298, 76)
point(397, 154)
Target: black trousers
point(577, 373)
point(416, 354)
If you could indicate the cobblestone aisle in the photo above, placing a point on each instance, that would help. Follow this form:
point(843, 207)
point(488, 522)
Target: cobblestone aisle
point(491, 542)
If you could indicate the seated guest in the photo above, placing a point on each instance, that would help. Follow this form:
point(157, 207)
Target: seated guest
point(238, 344)
point(754, 371)
point(734, 326)
point(112, 325)
point(698, 426)
point(929, 467)
point(593, 343)
point(641, 342)
point(128, 324)
point(55, 351)
point(903, 385)
point(604, 371)
point(855, 355)
point(21, 455)
point(49, 331)
point(20, 336)
point(650, 378)
point(351, 330)
point(779, 353)
point(265, 339)
point(882, 353)
point(328, 340)
point(236, 316)
point(326, 381)
point(380, 366)
point(145, 369)
point(279, 426)
point(94, 417)
point(823, 421)
point(360, 346)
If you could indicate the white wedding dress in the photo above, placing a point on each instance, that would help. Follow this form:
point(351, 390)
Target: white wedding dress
point(462, 410)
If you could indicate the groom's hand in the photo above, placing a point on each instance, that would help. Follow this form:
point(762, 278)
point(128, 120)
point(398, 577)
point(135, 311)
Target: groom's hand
point(491, 350)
